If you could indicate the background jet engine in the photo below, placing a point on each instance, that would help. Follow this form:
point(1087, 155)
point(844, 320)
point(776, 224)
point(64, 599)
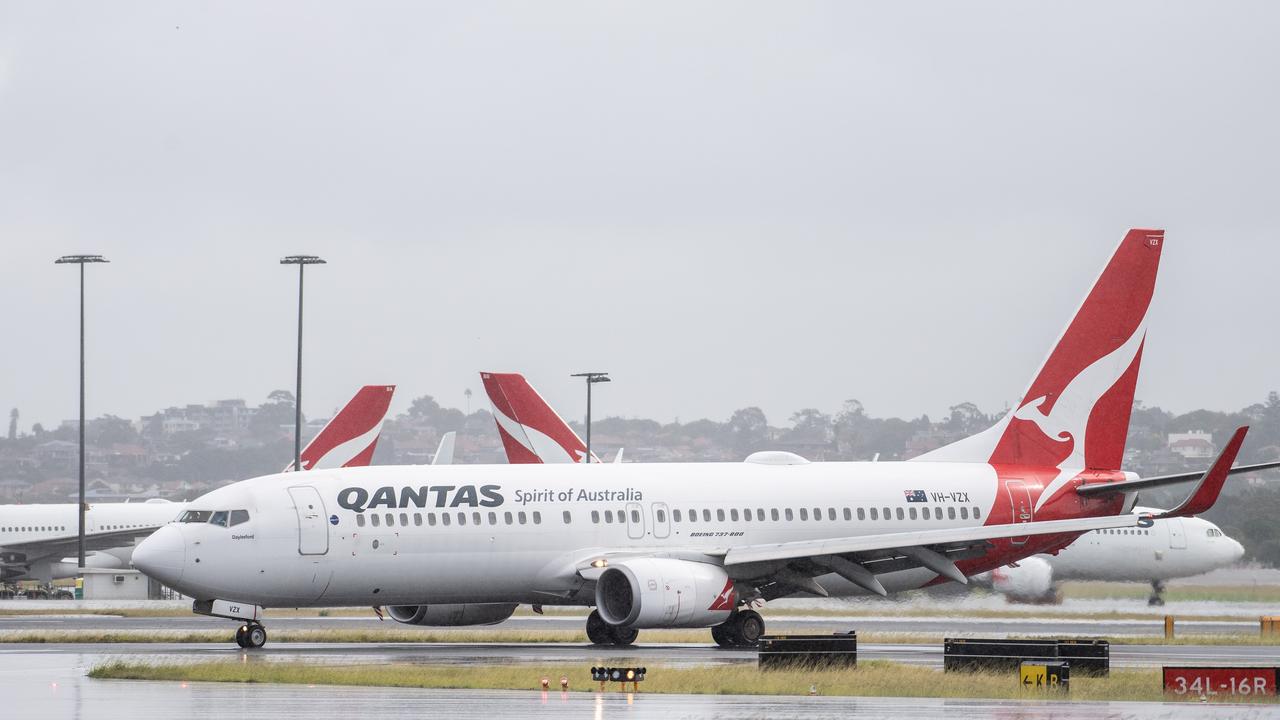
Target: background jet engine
point(444, 615)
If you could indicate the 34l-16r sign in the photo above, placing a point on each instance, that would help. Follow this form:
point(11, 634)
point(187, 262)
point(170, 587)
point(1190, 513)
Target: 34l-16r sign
point(1211, 681)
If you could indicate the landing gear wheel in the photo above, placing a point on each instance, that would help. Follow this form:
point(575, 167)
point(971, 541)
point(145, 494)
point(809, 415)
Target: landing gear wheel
point(721, 637)
point(255, 637)
point(623, 635)
point(1157, 593)
point(241, 636)
point(750, 626)
point(598, 630)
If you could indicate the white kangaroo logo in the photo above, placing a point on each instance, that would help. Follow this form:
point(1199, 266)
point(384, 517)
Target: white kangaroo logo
point(1068, 420)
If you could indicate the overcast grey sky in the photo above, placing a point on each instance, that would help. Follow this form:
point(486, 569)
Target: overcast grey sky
point(723, 204)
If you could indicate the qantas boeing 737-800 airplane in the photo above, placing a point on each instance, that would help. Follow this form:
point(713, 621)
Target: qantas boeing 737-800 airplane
point(36, 539)
point(692, 545)
point(533, 432)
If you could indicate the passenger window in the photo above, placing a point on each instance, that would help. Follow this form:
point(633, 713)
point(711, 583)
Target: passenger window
point(404, 519)
point(417, 519)
point(706, 515)
point(431, 519)
point(608, 516)
point(760, 514)
point(817, 513)
point(462, 518)
point(675, 515)
point(848, 514)
point(445, 519)
point(977, 515)
point(887, 516)
point(660, 513)
point(493, 518)
point(693, 516)
point(239, 516)
point(911, 513)
point(391, 519)
point(874, 514)
point(773, 514)
point(804, 513)
point(569, 518)
point(374, 520)
point(733, 514)
point(537, 518)
point(951, 513)
point(360, 520)
point(898, 512)
point(790, 515)
point(862, 515)
point(506, 518)
point(523, 518)
point(475, 518)
point(595, 517)
point(831, 513)
point(964, 513)
point(720, 514)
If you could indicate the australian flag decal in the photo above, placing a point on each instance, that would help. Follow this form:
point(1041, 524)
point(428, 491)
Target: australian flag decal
point(915, 496)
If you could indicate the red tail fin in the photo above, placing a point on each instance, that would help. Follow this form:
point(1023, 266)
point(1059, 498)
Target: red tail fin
point(350, 437)
point(1076, 412)
point(531, 431)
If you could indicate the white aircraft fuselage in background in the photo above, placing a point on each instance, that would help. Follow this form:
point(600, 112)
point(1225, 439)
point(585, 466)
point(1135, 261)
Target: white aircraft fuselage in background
point(36, 540)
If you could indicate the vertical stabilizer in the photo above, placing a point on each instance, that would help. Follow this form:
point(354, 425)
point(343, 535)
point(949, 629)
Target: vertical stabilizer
point(350, 437)
point(531, 431)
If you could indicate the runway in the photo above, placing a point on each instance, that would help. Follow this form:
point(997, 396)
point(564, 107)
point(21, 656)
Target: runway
point(985, 627)
point(545, 653)
point(52, 684)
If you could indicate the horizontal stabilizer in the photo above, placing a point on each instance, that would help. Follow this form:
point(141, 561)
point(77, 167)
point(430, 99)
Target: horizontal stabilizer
point(1206, 491)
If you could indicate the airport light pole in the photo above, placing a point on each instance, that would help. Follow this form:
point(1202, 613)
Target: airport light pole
point(592, 378)
point(81, 260)
point(302, 261)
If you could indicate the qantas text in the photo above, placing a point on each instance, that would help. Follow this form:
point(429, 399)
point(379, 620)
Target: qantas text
point(359, 499)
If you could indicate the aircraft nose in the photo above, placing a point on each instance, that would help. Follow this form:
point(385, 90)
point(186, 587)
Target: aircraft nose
point(1237, 550)
point(162, 555)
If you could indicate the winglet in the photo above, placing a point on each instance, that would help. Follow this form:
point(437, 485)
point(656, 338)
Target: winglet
point(1207, 490)
point(444, 451)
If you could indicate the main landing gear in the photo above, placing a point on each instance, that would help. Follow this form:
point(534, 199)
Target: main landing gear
point(602, 633)
point(251, 636)
point(742, 630)
point(1157, 593)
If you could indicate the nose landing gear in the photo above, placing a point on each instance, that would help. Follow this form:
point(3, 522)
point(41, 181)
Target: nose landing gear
point(1157, 593)
point(251, 636)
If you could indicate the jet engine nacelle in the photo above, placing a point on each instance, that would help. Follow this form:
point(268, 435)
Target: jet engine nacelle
point(664, 593)
point(444, 615)
point(1030, 582)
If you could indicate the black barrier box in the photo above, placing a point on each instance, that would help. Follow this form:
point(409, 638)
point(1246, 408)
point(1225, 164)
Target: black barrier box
point(1088, 657)
point(839, 650)
point(970, 654)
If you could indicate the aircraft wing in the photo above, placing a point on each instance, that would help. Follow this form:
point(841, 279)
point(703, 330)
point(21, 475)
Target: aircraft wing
point(781, 569)
point(67, 546)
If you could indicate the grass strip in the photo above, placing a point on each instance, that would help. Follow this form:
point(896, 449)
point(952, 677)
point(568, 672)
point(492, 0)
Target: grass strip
point(871, 679)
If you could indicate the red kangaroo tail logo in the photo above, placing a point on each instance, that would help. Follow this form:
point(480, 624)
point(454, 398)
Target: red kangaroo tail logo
point(530, 430)
point(1075, 414)
point(350, 437)
point(727, 599)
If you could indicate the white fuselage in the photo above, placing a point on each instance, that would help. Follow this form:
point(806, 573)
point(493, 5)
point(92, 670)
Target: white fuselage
point(35, 539)
point(522, 533)
point(1170, 548)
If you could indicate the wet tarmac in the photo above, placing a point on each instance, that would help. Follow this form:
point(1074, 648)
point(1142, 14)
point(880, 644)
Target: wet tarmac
point(53, 684)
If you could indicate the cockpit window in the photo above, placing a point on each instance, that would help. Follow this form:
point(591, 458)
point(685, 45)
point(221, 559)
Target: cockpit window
point(239, 516)
point(1213, 532)
point(195, 516)
point(219, 518)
